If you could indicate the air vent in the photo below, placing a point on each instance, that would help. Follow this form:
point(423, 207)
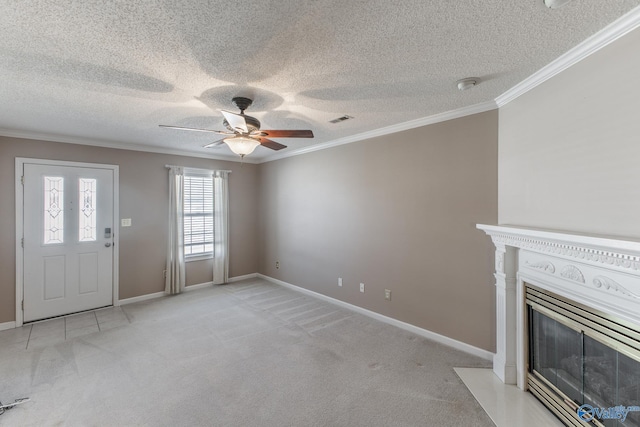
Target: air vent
point(340, 119)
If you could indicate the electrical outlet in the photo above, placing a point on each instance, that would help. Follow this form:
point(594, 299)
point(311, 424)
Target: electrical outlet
point(361, 287)
point(125, 222)
point(277, 265)
point(339, 281)
point(387, 294)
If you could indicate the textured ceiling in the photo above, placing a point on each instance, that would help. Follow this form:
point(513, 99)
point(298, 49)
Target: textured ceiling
point(109, 72)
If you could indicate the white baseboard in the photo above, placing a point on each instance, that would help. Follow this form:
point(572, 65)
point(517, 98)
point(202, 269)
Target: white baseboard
point(458, 345)
point(7, 325)
point(198, 286)
point(186, 289)
point(244, 277)
point(230, 280)
point(141, 298)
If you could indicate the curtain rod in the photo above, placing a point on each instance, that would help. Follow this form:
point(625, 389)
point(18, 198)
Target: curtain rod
point(197, 169)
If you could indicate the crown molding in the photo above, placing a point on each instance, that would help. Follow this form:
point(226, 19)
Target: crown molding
point(609, 34)
point(115, 145)
point(411, 124)
point(602, 38)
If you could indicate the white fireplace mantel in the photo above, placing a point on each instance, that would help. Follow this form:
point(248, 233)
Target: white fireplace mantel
point(600, 272)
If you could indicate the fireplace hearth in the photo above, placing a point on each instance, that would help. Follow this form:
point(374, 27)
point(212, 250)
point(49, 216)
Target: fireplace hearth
point(568, 322)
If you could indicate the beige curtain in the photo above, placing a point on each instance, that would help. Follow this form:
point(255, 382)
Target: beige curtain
point(220, 227)
point(175, 279)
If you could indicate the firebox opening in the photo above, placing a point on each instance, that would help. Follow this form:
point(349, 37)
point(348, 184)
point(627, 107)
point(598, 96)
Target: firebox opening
point(583, 364)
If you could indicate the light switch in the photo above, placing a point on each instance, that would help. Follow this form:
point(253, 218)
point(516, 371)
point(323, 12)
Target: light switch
point(125, 222)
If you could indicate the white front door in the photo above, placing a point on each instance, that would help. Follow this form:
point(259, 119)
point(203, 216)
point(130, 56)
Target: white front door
point(68, 239)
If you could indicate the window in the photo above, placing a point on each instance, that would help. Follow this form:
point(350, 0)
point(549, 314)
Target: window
point(53, 209)
point(87, 211)
point(198, 215)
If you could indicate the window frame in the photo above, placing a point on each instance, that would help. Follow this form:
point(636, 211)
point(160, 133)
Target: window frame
point(189, 174)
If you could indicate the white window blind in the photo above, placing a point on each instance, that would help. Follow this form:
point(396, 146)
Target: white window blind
point(198, 215)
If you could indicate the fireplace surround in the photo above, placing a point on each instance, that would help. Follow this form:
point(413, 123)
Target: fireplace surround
point(598, 274)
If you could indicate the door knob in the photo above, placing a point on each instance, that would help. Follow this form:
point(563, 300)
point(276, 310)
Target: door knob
point(107, 244)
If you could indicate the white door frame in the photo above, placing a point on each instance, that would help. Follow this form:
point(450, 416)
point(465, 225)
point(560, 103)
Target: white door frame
point(20, 162)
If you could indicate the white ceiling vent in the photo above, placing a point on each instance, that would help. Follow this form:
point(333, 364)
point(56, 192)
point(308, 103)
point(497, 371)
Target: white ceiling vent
point(340, 119)
point(555, 4)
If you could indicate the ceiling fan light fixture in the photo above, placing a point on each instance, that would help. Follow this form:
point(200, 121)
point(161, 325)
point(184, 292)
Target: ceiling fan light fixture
point(246, 131)
point(241, 145)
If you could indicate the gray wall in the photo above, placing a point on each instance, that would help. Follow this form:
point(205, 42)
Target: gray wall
point(395, 212)
point(144, 199)
point(569, 153)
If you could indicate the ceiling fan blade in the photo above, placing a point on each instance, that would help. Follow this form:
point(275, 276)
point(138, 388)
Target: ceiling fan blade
point(286, 133)
point(215, 144)
point(197, 130)
point(236, 121)
point(271, 144)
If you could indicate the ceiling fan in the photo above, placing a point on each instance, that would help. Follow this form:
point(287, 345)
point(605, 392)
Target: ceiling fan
point(244, 133)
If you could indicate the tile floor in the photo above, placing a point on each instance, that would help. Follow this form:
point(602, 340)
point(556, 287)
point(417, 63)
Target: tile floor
point(506, 405)
point(54, 331)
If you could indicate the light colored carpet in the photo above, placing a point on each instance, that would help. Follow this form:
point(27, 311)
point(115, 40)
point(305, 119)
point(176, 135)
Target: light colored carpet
point(246, 354)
